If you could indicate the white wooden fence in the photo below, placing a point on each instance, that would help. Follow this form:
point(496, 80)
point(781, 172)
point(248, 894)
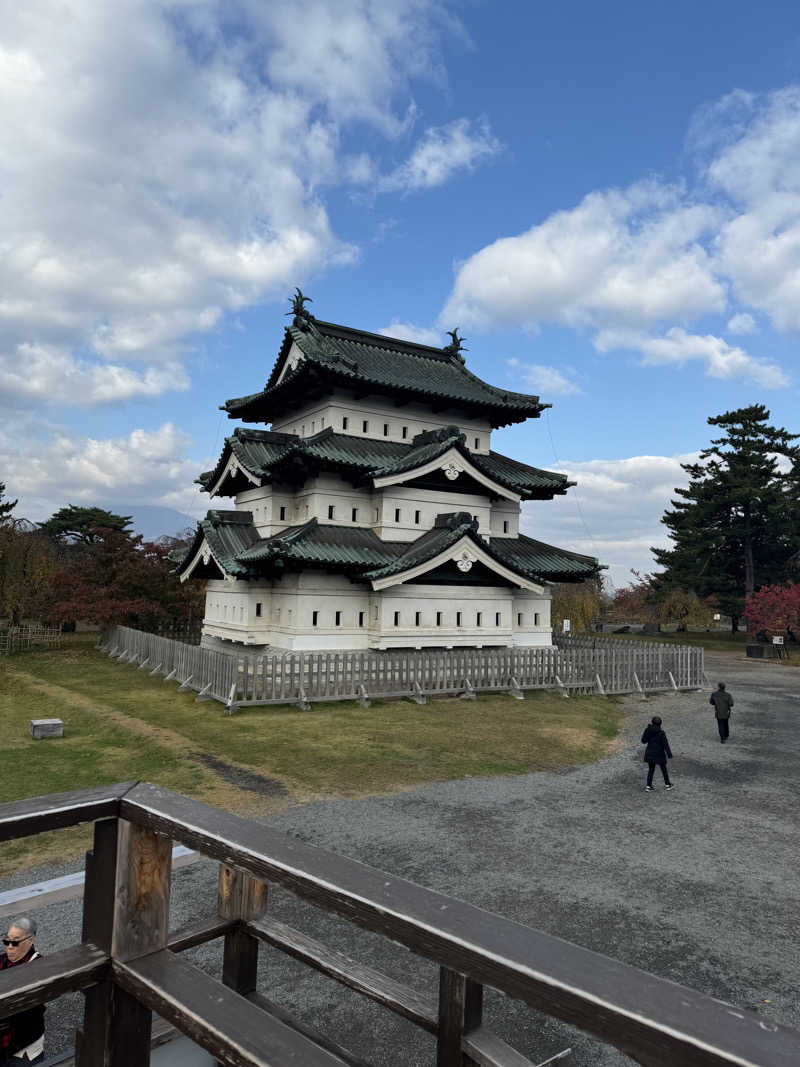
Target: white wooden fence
point(28, 638)
point(581, 665)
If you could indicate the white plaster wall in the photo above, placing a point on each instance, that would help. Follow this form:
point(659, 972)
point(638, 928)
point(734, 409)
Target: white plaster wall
point(430, 504)
point(329, 490)
point(534, 627)
point(230, 612)
point(505, 512)
point(414, 418)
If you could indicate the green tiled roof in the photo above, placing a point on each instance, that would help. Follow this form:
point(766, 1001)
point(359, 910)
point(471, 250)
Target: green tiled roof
point(448, 529)
point(239, 551)
point(270, 456)
point(315, 545)
point(548, 562)
point(228, 533)
point(339, 356)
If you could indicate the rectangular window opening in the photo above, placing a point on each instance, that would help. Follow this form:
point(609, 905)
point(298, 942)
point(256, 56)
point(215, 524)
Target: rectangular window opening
point(477, 442)
point(536, 618)
point(314, 618)
point(519, 618)
point(505, 526)
point(417, 618)
point(338, 618)
point(386, 429)
point(458, 618)
point(365, 426)
point(405, 432)
point(354, 514)
point(258, 611)
point(438, 618)
point(331, 511)
point(479, 618)
point(497, 618)
point(361, 618)
point(397, 514)
point(283, 513)
point(397, 618)
point(344, 422)
point(417, 516)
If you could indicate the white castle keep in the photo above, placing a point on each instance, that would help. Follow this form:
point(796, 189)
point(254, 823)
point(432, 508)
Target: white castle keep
point(373, 514)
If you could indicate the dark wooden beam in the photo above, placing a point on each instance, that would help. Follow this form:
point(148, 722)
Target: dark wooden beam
point(460, 1010)
point(93, 1038)
point(194, 934)
point(49, 977)
point(23, 818)
point(655, 1021)
point(486, 1049)
point(379, 987)
point(310, 1032)
point(236, 1032)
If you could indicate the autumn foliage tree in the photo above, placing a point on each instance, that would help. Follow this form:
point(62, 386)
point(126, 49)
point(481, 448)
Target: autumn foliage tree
point(774, 609)
point(117, 577)
point(580, 603)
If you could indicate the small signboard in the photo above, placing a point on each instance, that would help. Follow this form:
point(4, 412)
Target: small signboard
point(565, 626)
point(777, 640)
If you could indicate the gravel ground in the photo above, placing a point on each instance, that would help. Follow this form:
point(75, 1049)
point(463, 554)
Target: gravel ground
point(698, 885)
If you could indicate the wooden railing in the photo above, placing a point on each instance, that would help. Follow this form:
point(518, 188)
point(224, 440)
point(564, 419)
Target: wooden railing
point(128, 966)
point(573, 665)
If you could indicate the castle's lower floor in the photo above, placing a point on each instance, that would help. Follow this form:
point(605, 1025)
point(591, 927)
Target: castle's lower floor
point(315, 611)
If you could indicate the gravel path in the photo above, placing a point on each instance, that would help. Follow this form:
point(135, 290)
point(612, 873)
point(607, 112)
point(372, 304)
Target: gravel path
point(698, 885)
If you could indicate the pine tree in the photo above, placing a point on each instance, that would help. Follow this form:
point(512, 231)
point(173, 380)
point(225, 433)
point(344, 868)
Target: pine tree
point(735, 527)
point(6, 507)
point(72, 524)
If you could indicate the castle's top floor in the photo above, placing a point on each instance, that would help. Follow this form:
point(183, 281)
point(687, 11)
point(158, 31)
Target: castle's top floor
point(319, 359)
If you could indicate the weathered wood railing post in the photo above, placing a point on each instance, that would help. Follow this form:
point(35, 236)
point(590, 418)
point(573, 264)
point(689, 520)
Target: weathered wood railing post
point(460, 1010)
point(140, 926)
point(91, 1042)
point(242, 897)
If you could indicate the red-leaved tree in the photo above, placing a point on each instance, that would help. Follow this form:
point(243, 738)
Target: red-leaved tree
point(774, 609)
point(119, 578)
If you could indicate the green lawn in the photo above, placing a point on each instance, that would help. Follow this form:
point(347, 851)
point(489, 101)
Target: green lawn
point(121, 724)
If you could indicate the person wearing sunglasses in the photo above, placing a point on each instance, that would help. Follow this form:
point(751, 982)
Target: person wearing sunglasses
point(21, 1035)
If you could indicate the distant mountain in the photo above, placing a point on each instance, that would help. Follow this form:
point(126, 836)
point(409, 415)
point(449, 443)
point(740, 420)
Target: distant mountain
point(153, 522)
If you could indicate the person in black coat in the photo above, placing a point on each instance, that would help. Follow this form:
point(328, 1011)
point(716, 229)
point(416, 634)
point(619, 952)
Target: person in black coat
point(21, 1035)
point(656, 753)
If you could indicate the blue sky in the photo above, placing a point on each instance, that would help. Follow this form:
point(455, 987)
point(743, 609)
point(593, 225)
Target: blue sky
point(605, 199)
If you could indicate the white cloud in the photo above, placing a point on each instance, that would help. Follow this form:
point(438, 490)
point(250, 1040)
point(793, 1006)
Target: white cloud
point(624, 257)
point(742, 323)
point(656, 256)
point(613, 513)
point(49, 375)
point(145, 466)
point(679, 347)
point(162, 164)
point(407, 331)
point(542, 379)
point(440, 152)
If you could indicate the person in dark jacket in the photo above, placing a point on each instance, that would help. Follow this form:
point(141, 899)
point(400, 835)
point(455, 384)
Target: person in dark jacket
point(657, 752)
point(21, 1035)
point(723, 702)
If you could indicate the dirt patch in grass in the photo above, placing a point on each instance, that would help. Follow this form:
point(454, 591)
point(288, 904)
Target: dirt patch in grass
point(243, 779)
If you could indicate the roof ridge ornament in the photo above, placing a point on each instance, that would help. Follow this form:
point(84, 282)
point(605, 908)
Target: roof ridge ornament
point(456, 347)
point(302, 316)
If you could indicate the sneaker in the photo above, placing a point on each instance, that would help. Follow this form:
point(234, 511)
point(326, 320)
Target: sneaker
point(668, 786)
point(648, 789)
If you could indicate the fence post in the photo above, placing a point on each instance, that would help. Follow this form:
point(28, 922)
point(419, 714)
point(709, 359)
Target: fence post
point(93, 1038)
point(139, 925)
point(460, 1010)
point(243, 897)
